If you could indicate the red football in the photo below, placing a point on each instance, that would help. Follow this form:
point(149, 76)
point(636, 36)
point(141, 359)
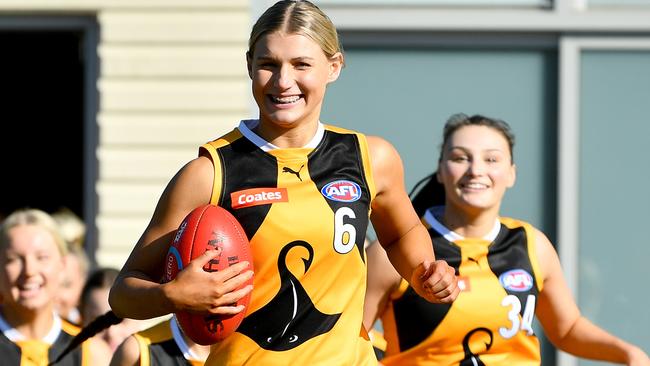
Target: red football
point(209, 227)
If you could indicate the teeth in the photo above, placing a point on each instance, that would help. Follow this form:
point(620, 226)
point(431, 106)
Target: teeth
point(476, 185)
point(285, 100)
point(33, 286)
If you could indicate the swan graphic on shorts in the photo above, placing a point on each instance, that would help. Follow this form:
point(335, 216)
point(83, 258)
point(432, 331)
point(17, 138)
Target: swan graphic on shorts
point(470, 358)
point(290, 318)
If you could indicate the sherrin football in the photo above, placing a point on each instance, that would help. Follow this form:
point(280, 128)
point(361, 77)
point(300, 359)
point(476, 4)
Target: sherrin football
point(209, 227)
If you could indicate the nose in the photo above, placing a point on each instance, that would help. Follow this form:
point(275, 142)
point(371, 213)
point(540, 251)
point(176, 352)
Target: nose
point(284, 77)
point(476, 167)
point(30, 266)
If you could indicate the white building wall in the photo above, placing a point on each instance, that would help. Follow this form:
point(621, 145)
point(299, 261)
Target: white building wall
point(171, 77)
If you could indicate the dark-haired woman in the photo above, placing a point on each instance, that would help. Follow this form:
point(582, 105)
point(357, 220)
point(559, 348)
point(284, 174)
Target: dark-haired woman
point(508, 272)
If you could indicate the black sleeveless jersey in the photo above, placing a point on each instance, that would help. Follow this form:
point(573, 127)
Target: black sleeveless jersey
point(163, 345)
point(16, 351)
point(490, 323)
point(305, 212)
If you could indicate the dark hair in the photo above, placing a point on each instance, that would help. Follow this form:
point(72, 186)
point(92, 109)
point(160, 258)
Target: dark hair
point(97, 325)
point(428, 191)
point(100, 278)
point(459, 120)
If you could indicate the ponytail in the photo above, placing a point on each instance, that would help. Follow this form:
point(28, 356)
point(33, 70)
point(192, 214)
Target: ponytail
point(426, 193)
point(100, 323)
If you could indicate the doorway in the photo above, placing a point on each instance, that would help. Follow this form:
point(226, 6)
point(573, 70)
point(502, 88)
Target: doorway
point(47, 120)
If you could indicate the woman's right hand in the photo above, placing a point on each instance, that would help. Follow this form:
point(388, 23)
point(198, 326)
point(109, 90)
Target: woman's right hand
point(199, 291)
point(637, 357)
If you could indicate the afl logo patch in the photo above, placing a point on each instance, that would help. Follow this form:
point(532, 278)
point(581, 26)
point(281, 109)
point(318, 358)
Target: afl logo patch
point(342, 191)
point(516, 280)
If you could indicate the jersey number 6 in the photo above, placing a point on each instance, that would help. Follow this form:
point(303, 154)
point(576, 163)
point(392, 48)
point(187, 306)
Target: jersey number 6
point(345, 234)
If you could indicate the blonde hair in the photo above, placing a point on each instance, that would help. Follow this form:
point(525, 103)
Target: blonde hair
point(297, 17)
point(32, 217)
point(72, 228)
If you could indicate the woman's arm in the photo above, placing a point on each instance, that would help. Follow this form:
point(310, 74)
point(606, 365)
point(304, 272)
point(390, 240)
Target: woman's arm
point(565, 327)
point(193, 289)
point(383, 279)
point(400, 231)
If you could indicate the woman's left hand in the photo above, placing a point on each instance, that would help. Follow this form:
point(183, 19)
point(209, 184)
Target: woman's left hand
point(436, 282)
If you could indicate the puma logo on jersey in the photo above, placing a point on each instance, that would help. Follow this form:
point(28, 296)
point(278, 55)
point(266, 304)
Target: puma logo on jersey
point(258, 196)
point(342, 191)
point(286, 169)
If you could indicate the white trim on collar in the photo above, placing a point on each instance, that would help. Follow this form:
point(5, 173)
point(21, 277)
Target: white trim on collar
point(15, 336)
point(180, 341)
point(246, 127)
point(430, 218)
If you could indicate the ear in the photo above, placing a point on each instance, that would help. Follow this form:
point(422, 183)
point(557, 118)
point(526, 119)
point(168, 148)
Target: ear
point(249, 64)
point(513, 176)
point(336, 65)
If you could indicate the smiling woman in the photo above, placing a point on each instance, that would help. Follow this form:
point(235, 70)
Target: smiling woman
point(31, 269)
point(303, 192)
point(508, 272)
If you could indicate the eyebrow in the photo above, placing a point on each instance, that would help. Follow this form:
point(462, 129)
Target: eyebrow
point(271, 58)
point(466, 149)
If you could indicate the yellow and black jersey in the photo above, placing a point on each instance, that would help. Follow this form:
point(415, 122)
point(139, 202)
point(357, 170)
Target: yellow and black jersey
point(305, 212)
point(163, 345)
point(16, 350)
point(490, 323)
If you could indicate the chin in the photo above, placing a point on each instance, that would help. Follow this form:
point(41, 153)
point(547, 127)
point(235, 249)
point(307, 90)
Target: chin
point(283, 119)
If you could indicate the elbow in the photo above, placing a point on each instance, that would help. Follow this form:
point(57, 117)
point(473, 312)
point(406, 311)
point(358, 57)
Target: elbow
point(114, 303)
point(561, 338)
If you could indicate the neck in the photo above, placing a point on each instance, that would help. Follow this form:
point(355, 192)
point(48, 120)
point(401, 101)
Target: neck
point(31, 324)
point(469, 224)
point(287, 137)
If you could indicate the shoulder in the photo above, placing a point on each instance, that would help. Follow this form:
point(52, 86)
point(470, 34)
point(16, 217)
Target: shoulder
point(547, 261)
point(100, 352)
point(380, 146)
point(198, 170)
point(128, 353)
point(223, 140)
point(340, 130)
point(386, 164)
point(532, 233)
point(383, 153)
point(199, 165)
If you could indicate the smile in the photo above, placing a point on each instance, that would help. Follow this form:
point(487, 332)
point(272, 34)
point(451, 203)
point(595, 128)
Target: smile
point(474, 186)
point(285, 100)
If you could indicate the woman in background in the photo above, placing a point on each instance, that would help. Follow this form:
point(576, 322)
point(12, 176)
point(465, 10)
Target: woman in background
point(31, 269)
point(94, 303)
point(508, 272)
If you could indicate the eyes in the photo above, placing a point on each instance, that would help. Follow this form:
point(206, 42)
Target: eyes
point(273, 65)
point(462, 157)
point(15, 258)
